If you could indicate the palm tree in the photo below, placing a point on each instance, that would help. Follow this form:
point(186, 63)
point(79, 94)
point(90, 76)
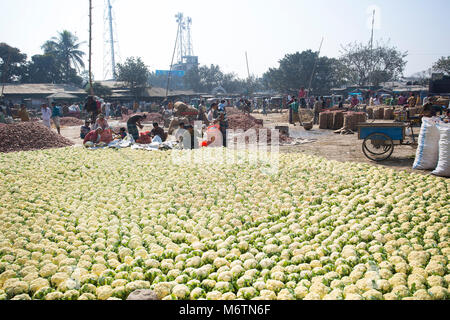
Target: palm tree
point(66, 48)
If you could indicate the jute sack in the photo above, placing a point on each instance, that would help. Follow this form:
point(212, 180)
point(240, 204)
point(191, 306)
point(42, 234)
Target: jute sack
point(323, 120)
point(338, 120)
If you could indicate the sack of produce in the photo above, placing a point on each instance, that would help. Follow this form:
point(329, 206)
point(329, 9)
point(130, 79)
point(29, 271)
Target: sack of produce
point(443, 167)
point(181, 107)
point(388, 114)
point(323, 120)
point(330, 119)
point(427, 155)
point(370, 113)
point(338, 120)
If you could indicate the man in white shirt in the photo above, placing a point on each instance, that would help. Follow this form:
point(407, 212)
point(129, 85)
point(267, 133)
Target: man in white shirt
point(107, 110)
point(46, 115)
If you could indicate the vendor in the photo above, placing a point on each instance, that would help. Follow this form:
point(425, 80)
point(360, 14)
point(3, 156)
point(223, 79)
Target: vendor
point(123, 133)
point(23, 113)
point(101, 122)
point(133, 123)
point(354, 102)
point(158, 131)
point(93, 136)
point(85, 129)
point(188, 139)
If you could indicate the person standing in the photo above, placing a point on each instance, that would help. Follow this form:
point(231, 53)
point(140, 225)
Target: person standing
point(340, 103)
point(107, 110)
point(223, 122)
point(317, 110)
point(46, 115)
point(294, 106)
point(23, 113)
point(412, 100)
point(133, 123)
point(302, 98)
point(56, 116)
point(355, 101)
point(91, 108)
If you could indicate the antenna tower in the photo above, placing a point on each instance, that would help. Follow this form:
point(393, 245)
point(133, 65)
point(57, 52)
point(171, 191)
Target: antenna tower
point(110, 48)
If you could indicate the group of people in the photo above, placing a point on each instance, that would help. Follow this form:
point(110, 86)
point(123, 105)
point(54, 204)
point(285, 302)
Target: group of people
point(317, 104)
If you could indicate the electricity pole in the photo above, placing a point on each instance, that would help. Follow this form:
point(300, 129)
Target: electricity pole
point(171, 64)
point(371, 51)
point(90, 49)
point(248, 71)
point(314, 68)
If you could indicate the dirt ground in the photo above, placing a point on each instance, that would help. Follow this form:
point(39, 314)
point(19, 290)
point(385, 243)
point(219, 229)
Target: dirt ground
point(344, 148)
point(324, 143)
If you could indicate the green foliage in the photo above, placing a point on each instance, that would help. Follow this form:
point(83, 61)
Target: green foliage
point(443, 65)
point(68, 58)
point(135, 73)
point(295, 71)
point(12, 63)
point(99, 90)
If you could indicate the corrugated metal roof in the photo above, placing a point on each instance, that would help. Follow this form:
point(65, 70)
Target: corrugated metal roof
point(41, 89)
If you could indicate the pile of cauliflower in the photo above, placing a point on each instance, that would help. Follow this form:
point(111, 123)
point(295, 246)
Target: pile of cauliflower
point(83, 225)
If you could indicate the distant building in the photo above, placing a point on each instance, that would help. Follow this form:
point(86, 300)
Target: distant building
point(35, 95)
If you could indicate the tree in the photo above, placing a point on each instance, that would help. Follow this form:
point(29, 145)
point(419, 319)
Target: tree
point(296, 71)
point(43, 69)
point(443, 65)
point(66, 50)
point(135, 73)
point(100, 90)
point(366, 66)
point(12, 63)
point(192, 79)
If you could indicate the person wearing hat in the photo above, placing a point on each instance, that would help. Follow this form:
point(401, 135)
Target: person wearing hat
point(133, 123)
point(101, 122)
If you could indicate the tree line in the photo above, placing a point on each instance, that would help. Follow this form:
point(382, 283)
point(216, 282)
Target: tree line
point(358, 64)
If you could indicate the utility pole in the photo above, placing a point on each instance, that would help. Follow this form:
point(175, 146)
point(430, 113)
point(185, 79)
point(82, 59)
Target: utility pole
point(171, 64)
point(371, 51)
point(248, 72)
point(314, 68)
point(91, 91)
point(248, 69)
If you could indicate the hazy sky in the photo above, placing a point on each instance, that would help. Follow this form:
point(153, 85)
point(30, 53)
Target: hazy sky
point(224, 30)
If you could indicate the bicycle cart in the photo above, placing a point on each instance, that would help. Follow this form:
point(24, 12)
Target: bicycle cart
point(380, 139)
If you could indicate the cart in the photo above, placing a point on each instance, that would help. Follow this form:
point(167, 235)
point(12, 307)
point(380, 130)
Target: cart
point(380, 139)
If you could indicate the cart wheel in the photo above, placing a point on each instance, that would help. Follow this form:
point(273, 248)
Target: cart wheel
point(378, 147)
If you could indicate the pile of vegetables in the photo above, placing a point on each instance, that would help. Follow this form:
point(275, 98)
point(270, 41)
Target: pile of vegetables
point(26, 136)
point(77, 225)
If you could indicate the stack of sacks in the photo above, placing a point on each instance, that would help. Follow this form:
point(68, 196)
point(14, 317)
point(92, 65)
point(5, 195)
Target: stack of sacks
point(433, 152)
